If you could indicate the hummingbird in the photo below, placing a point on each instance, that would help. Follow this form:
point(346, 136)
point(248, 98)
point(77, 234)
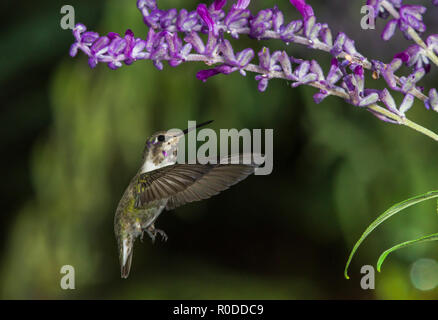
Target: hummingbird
point(160, 184)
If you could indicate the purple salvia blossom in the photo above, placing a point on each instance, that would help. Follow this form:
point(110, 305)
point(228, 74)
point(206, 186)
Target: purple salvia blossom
point(83, 40)
point(260, 23)
point(415, 56)
point(389, 29)
point(174, 36)
point(432, 100)
point(389, 102)
point(207, 18)
point(411, 16)
point(407, 103)
point(205, 74)
point(219, 4)
point(305, 10)
point(241, 4)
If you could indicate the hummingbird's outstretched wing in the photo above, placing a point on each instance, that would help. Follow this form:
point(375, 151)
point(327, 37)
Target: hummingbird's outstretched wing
point(183, 183)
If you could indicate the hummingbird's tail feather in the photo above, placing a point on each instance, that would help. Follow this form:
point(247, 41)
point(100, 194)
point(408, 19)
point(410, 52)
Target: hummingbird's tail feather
point(126, 259)
point(126, 268)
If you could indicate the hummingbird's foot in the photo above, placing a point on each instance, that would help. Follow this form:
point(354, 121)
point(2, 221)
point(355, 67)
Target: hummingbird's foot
point(152, 232)
point(162, 234)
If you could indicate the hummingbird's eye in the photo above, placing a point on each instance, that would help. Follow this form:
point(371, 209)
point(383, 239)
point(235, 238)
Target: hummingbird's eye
point(161, 138)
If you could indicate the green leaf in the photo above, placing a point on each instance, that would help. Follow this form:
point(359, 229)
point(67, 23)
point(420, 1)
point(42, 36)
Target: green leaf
point(387, 214)
point(431, 237)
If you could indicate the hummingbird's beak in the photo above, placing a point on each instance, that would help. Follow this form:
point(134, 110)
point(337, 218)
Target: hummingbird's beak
point(175, 138)
point(198, 126)
point(126, 258)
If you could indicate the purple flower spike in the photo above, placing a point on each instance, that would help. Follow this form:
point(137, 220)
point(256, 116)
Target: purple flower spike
point(305, 10)
point(176, 36)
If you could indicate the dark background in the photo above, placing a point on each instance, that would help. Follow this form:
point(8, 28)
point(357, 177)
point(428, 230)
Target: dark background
point(72, 137)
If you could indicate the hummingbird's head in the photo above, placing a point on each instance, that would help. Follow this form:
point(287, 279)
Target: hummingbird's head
point(161, 148)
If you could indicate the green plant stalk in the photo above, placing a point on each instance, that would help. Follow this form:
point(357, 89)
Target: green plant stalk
point(430, 237)
point(386, 215)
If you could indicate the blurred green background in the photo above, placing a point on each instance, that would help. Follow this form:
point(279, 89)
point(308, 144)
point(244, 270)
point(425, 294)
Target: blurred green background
point(72, 139)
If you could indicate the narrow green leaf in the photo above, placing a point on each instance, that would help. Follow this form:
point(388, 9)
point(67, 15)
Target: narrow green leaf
point(387, 214)
point(431, 237)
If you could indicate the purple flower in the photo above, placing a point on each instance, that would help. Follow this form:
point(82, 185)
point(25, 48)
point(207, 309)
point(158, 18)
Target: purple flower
point(97, 51)
point(417, 57)
point(236, 20)
point(335, 73)
point(432, 101)
point(203, 75)
point(389, 102)
point(389, 29)
point(432, 42)
point(241, 60)
point(411, 16)
point(261, 23)
point(219, 4)
point(207, 18)
point(83, 40)
point(241, 4)
point(305, 10)
point(287, 33)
